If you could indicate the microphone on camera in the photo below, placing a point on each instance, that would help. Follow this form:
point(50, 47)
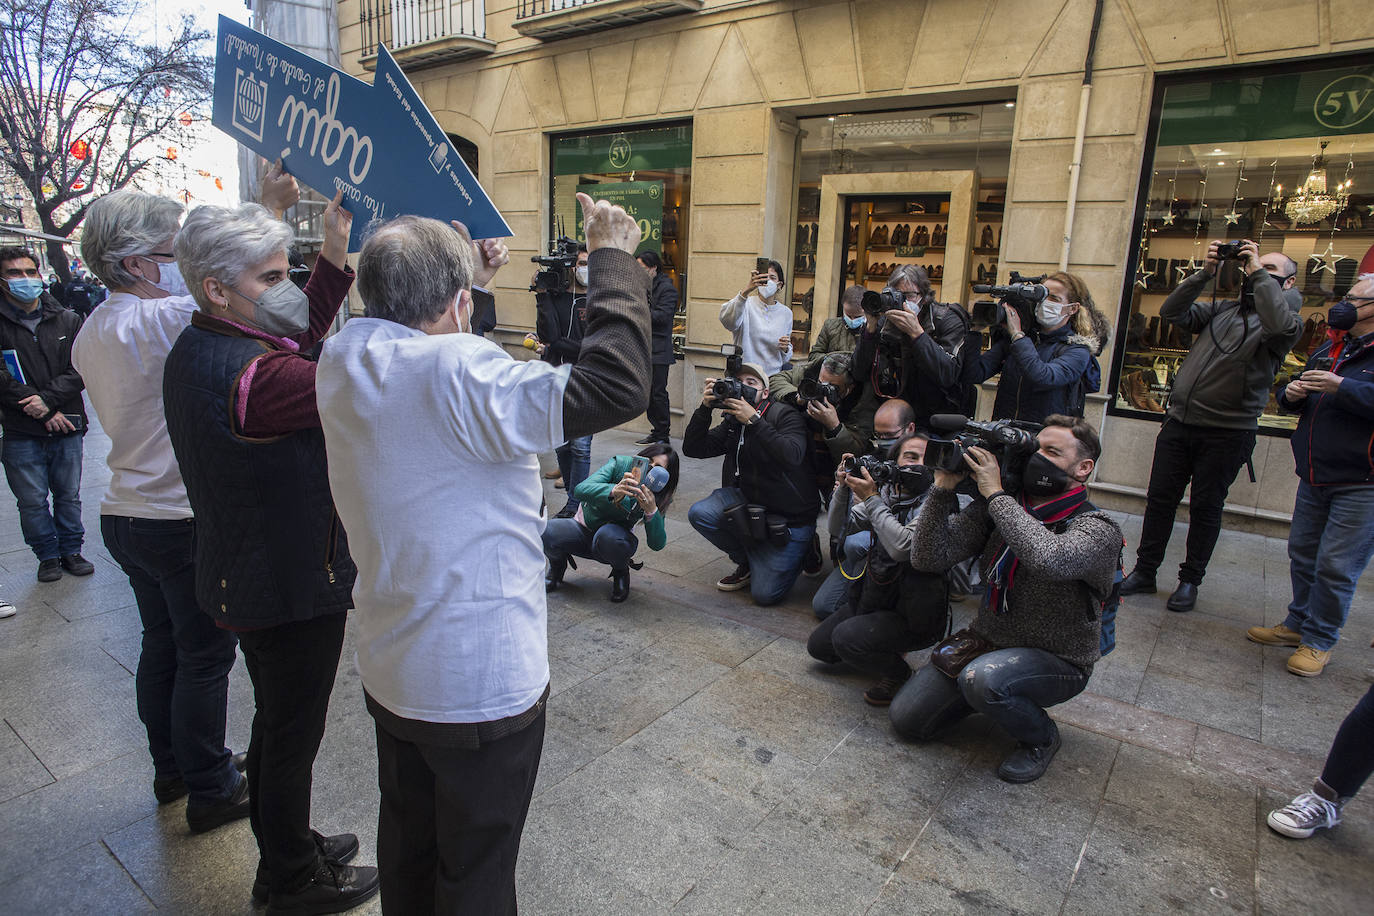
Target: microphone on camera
point(948, 422)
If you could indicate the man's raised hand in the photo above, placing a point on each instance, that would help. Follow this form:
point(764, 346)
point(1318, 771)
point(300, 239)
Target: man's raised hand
point(608, 226)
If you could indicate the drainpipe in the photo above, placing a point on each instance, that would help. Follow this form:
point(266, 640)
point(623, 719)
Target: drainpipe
point(1076, 166)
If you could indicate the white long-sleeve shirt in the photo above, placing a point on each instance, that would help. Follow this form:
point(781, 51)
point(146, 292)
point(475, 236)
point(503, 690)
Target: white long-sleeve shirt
point(757, 327)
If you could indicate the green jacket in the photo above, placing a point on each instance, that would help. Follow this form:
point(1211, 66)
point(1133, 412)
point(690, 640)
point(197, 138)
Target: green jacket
point(598, 509)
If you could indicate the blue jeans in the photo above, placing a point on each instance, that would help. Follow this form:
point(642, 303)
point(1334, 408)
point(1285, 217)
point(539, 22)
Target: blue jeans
point(611, 544)
point(773, 569)
point(833, 595)
point(34, 467)
point(1010, 686)
point(1329, 545)
point(574, 463)
point(182, 682)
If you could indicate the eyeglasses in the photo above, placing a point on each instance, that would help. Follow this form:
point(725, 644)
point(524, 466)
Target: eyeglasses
point(1358, 301)
point(159, 254)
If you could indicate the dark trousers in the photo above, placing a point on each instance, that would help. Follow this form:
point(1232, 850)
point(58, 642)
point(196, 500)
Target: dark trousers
point(34, 468)
point(1351, 758)
point(182, 682)
point(659, 417)
point(448, 834)
point(874, 642)
point(292, 667)
point(1210, 458)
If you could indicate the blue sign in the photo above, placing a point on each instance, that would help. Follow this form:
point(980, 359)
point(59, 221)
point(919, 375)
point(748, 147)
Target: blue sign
point(377, 143)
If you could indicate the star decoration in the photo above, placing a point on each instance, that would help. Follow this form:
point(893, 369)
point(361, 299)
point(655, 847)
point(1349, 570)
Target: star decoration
point(1140, 276)
point(1168, 218)
point(1231, 218)
point(1186, 268)
point(1328, 259)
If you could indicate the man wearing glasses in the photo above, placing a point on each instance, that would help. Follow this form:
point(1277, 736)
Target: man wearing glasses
point(1332, 536)
point(43, 416)
point(1219, 392)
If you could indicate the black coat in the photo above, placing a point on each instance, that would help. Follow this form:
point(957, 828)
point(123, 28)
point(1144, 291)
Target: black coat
point(662, 308)
point(46, 359)
point(559, 321)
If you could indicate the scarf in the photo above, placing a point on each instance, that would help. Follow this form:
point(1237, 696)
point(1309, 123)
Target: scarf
point(1001, 573)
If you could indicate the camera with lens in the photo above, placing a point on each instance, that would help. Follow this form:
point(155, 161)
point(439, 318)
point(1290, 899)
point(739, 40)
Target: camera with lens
point(1020, 293)
point(556, 275)
point(913, 478)
point(809, 389)
point(1012, 442)
point(1229, 251)
point(731, 386)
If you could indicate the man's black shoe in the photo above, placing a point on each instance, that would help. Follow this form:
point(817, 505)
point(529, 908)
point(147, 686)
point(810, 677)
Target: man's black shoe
point(814, 563)
point(648, 440)
point(554, 577)
point(1183, 599)
point(620, 585)
point(338, 850)
point(49, 570)
point(1029, 762)
point(167, 789)
point(568, 511)
point(331, 889)
point(201, 818)
point(1137, 583)
point(77, 565)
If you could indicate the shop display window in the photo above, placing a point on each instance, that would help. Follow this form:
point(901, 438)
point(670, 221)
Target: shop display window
point(1283, 158)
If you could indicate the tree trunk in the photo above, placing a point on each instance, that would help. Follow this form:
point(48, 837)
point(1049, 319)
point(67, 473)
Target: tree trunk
point(57, 251)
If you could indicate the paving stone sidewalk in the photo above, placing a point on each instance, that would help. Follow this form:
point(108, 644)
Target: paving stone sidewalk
point(699, 762)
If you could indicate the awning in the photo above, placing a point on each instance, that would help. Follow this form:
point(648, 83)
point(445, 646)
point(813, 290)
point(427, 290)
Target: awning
point(20, 230)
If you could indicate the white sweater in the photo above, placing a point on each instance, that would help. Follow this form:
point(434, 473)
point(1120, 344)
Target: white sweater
point(757, 328)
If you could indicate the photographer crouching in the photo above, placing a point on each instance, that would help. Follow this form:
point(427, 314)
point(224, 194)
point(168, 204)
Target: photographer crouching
point(1049, 558)
point(892, 608)
point(764, 514)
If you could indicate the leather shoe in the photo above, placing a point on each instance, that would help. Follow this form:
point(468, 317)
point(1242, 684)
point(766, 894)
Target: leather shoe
point(1184, 598)
point(167, 789)
point(331, 889)
point(202, 818)
point(620, 585)
point(49, 570)
point(1029, 761)
point(648, 440)
point(337, 850)
point(77, 565)
point(1137, 583)
point(554, 577)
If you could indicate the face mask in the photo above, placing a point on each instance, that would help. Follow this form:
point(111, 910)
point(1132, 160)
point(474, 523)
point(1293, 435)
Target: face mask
point(581, 273)
point(853, 323)
point(769, 289)
point(282, 309)
point(171, 283)
point(915, 480)
point(1043, 477)
point(26, 289)
point(1342, 316)
point(1048, 313)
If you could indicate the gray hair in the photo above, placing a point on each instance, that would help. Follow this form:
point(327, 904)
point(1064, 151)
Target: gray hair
point(412, 268)
point(225, 244)
point(122, 224)
point(839, 363)
point(914, 274)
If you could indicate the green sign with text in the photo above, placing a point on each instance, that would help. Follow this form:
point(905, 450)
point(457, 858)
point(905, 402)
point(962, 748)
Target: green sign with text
point(650, 149)
point(643, 200)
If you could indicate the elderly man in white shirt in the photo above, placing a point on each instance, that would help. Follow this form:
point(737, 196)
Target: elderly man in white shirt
point(450, 603)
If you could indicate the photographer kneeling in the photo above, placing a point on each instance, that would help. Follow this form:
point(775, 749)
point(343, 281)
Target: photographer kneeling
point(625, 491)
point(892, 607)
point(1049, 558)
point(764, 514)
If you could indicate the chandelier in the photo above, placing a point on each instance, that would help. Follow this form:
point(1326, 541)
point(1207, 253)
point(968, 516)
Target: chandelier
point(1312, 203)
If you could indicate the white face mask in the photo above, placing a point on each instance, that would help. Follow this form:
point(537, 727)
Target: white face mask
point(581, 273)
point(171, 283)
point(769, 289)
point(1049, 313)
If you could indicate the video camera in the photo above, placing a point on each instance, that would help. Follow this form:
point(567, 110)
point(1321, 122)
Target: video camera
point(730, 386)
point(558, 264)
point(809, 389)
point(1012, 442)
point(913, 478)
point(1021, 293)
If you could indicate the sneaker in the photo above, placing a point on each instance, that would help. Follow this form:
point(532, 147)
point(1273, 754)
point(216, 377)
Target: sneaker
point(167, 789)
point(553, 475)
point(331, 889)
point(337, 850)
point(77, 565)
point(203, 818)
point(6, 609)
point(735, 581)
point(49, 570)
point(1277, 635)
point(1304, 816)
point(881, 693)
point(1308, 662)
point(814, 564)
point(1029, 761)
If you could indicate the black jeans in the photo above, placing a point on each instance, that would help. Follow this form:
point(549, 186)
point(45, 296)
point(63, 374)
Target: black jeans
point(182, 681)
point(874, 642)
point(659, 417)
point(292, 667)
point(1351, 758)
point(452, 812)
point(1210, 458)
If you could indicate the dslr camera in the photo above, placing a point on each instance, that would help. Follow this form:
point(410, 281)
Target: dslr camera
point(809, 389)
point(731, 386)
point(1011, 441)
point(913, 479)
point(556, 274)
point(1020, 293)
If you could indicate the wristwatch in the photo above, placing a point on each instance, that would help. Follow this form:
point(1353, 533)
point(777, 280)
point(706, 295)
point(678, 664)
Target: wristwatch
point(754, 419)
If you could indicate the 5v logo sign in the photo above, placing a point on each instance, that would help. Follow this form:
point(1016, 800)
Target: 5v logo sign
point(1345, 102)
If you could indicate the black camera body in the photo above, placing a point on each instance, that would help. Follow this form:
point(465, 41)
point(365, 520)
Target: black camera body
point(557, 273)
point(876, 467)
point(809, 389)
point(1012, 442)
point(731, 386)
point(913, 478)
point(875, 303)
point(1021, 293)
point(1229, 251)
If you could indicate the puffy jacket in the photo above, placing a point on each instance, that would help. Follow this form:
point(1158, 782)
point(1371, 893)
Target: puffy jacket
point(1334, 442)
point(662, 308)
point(46, 359)
point(926, 372)
point(834, 336)
point(1039, 377)
point(1226, 377)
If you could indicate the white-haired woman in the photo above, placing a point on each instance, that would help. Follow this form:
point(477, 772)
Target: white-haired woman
point(272, 561)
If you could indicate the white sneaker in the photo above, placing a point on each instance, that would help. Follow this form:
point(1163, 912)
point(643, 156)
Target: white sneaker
point(1304, 815)
point(6, 609)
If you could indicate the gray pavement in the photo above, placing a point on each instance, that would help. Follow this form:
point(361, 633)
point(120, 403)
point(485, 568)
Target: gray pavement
point(698, 762)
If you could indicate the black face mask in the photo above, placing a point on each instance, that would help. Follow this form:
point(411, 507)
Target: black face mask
point(1345, 314)
point(1042, 477)
point(914, 480)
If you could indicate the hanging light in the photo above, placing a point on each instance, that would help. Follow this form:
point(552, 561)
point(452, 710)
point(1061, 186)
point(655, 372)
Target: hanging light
point(1313, 202)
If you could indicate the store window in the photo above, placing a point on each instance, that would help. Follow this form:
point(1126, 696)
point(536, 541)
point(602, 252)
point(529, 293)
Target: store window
point(648, 171)
point(1283, 158)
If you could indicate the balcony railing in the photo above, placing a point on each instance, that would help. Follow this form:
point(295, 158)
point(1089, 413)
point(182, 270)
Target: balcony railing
point(548, 20)
point(423, 33)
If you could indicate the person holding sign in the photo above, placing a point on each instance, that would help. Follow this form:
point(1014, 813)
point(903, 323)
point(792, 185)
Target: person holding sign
point(452, 615)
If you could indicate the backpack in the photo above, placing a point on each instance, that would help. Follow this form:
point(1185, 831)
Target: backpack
point(1106, 609)
point(1089, 381)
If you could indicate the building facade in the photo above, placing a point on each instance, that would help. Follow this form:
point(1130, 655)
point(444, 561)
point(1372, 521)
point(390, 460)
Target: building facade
point(844, 138)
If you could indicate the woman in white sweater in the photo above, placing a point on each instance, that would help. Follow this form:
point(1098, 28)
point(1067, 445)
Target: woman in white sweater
point(761, 323)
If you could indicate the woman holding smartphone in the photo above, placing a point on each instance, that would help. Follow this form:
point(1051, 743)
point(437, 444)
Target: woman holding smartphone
point(625, 491)
point(761, 322)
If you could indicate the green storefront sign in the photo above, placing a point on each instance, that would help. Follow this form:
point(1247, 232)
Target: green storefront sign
point(643, 200)
point(1318, 103)
point(651, 149)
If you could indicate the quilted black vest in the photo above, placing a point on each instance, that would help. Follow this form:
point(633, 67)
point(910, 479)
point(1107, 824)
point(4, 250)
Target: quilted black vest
point(269, 547)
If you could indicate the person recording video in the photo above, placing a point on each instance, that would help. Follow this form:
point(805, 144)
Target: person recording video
point(760, 322)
